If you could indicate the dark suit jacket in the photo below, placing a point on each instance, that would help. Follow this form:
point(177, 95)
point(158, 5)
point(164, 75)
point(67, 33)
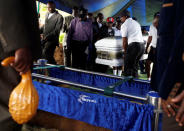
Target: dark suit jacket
point(67, 21)
point(53, 27)
point(96, 30)
point(18, 27)
point(103, 33)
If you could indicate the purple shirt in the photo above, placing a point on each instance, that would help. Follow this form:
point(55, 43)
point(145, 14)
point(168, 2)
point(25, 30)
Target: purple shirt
point(80, 31)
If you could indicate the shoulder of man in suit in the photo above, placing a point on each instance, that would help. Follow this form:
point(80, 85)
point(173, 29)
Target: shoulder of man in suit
point(58, 14)
point(47, 14)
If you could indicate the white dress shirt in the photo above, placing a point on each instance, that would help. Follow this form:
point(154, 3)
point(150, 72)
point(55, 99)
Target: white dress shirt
point(99, 25)
point(50, 15)
point(153, 33)
point(132, 30)
point(117, 32)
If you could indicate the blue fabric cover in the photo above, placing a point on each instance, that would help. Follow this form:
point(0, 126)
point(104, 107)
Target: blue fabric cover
point(134, 88)
point(98, 110)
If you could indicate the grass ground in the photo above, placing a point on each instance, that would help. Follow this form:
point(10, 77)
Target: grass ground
point(141, 76)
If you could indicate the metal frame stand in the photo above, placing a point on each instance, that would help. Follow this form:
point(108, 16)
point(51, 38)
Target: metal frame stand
point(152, 97)
point(91, 72)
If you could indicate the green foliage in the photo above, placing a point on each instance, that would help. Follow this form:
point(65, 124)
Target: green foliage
point(61, 37)
point(43, 8)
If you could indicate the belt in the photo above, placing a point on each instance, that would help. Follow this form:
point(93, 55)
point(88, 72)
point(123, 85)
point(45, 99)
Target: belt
point(141, 43)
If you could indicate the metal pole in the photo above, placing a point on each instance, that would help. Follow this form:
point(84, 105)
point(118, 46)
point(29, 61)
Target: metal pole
point(85, 86)
point(154, 99)
point(96, 73)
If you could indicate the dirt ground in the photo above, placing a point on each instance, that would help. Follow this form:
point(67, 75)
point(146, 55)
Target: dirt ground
point(34, 128)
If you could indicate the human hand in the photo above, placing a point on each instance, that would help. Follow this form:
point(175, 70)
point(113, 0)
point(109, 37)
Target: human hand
point(123, 54)
point(168, 107)
point(180, 113)
point(22, 61)
point(148, 50)
point(42, 36)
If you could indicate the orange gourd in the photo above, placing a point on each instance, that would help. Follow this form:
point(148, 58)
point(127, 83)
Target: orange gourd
point(23, 102)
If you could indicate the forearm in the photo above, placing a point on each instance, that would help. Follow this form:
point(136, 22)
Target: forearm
point(147, 45)
point(41, 29)
point(148, 42)
point(51, 35)
point(125, 44)
point(180, 113)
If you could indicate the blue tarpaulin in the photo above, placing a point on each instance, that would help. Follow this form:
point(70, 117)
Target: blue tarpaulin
point(134, 88)
point(141, 9)
point(97, 110)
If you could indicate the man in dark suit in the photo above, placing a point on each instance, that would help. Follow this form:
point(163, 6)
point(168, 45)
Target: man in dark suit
point(51, 31)
point(107, 29)
point(66, 26)
point(68, 19)
point(92, 50)
point(19, 36)
point(168, 68)
point(96, 26)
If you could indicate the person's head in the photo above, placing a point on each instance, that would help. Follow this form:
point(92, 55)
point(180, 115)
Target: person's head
point(90, 16)
point(125, 15)
point(134, 18)
point(157, 14)
point(156, 21)
point(75, 11)
point(100, 18)
point(110, 22)
point(51, 6)
point(118, 19)
point(144, 31)
point(118, 24)
point(83, 14)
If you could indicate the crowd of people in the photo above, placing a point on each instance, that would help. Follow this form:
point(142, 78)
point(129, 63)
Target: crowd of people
point(83, 30)
point(19, 36)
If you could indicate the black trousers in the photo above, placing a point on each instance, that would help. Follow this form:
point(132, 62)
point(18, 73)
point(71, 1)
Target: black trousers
point(79, 57)
point(9, 79)
point(142, 65)
point(68, 57)
point(48, 51)
point(134, 52)
point(152, 54)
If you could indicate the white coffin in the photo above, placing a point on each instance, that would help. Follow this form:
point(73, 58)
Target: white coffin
point(109, 51)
